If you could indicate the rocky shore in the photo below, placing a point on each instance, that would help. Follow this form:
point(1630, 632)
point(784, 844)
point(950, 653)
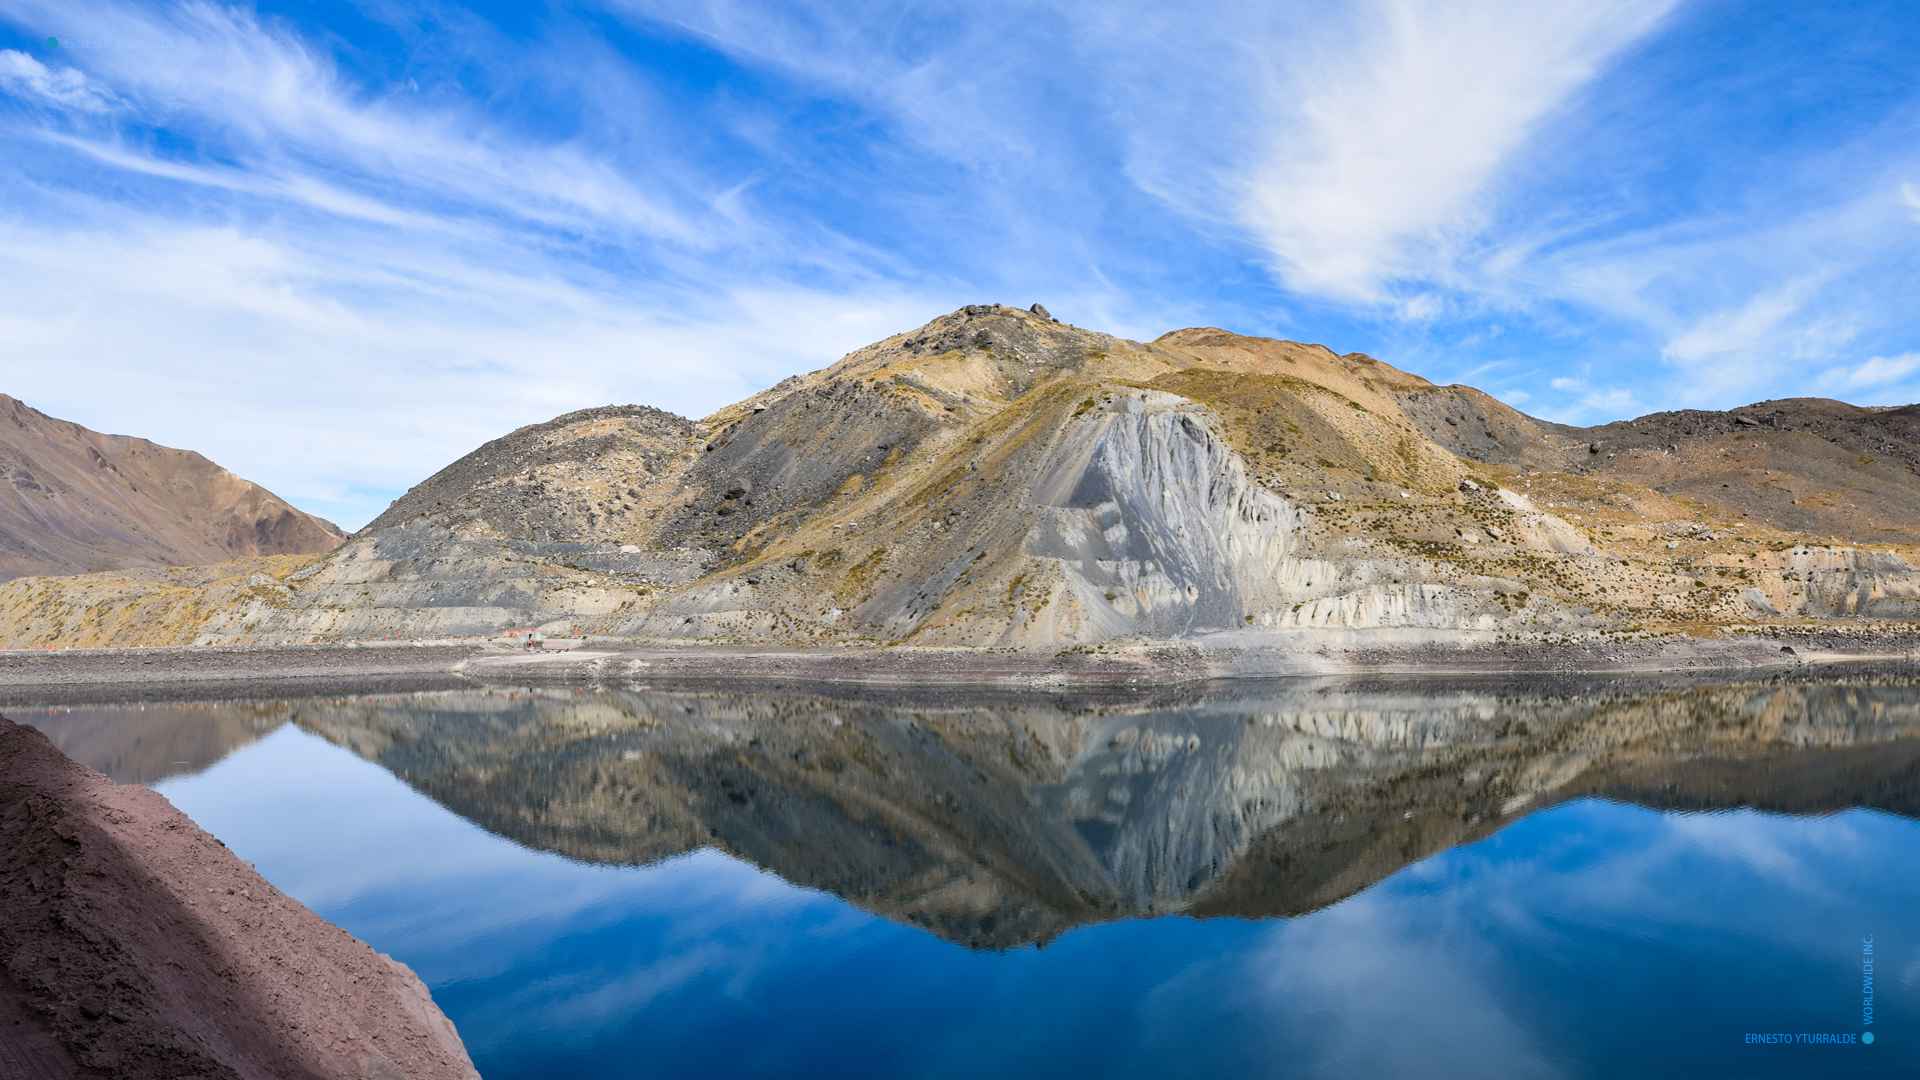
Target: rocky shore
point(1226, 656)
point(133, 944)
point(35, 677)
point(104, 675)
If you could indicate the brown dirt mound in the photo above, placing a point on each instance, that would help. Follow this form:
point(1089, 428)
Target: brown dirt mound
point(133, 944)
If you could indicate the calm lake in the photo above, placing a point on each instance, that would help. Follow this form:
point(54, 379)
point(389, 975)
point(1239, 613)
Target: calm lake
point(1293, 879)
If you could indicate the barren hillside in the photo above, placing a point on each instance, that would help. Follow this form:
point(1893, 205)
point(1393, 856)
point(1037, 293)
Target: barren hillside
point(74, 501)
point(996, 478)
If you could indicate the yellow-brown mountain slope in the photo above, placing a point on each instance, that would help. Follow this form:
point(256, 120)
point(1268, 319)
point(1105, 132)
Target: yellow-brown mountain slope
point(74, 501)
point(998, 479)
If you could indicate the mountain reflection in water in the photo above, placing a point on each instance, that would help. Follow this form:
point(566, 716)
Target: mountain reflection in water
point(1001, 821)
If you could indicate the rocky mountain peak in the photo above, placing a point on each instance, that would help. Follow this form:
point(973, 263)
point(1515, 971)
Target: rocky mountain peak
point(576, 476)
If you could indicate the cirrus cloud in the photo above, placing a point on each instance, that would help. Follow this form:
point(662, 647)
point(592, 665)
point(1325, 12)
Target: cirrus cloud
point(65, 88)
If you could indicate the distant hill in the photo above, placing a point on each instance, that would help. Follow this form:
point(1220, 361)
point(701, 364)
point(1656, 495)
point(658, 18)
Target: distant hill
point(999, 479)
point(74, 501)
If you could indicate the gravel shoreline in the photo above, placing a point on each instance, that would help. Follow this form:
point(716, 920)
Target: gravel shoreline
point(109, 675)
point(101, 676)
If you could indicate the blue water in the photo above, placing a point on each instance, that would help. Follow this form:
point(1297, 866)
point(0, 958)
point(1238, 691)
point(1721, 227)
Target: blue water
point(1592, 938)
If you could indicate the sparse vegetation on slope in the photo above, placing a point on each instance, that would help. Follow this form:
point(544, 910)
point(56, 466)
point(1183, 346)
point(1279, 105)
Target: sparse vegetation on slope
point(999, 479)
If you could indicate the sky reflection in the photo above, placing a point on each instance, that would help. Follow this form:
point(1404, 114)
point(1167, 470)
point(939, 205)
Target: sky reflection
point(1590, 939)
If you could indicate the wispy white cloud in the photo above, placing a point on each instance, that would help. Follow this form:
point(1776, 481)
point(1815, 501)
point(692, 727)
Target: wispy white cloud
point(946, 76)
point(276, 100)
point(1611, 401)
point(305, 190)
point(342, 366)
point(1355, 968)
point(1740, 329)
point(1872, 372)
point(64, 87)
point(1738, 349)
point(1389, 129)
point(1743, 305)
point(1359, 145)
point(1422, 307)
point(1582, 402)
point(336, 291)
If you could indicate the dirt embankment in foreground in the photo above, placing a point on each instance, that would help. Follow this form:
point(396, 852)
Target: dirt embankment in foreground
point(133, 944)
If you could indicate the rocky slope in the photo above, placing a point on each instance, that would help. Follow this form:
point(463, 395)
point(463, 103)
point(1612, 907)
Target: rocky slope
point(999, 479)
point(74, 501)
point(145, 606)
point(1001, 821)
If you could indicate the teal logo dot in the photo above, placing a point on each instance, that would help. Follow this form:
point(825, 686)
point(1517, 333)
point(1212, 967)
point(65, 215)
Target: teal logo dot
point(1867, 1038)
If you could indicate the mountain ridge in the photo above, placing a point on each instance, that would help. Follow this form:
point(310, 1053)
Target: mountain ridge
point(73, 501)
point(998, 479)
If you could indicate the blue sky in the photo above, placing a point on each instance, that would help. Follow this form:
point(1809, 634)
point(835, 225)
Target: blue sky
point(336, 245)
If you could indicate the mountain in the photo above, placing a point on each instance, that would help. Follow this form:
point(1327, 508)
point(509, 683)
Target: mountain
point(1002, 820)
point(998, 819)
point(998, 479)
point(74, 501)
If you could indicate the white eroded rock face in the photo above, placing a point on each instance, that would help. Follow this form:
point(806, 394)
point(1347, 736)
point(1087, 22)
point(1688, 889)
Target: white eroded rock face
point(1849, 581)
point(1167, 802)
point(1541, 531)
point(1155, 525)
point(1158, 531)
